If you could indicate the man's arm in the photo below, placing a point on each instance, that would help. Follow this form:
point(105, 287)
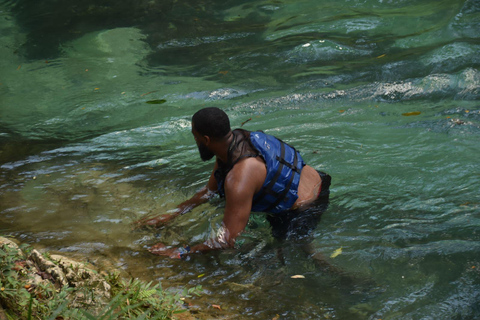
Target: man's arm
point(239, 195)
point(241, 184)
point(202, 196)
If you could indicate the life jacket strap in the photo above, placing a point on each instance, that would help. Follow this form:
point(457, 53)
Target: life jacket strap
point(281, 196)
point(269, 188)
point(285, 163)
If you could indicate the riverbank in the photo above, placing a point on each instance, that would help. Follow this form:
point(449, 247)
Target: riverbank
point(40, 285)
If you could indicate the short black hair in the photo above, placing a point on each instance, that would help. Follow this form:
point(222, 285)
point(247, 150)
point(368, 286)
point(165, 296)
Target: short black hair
point(212, 122)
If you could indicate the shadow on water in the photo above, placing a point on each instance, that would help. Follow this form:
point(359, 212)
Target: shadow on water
point(17, 148)
point(161, 20)
point(205, 38)
point(50, 23)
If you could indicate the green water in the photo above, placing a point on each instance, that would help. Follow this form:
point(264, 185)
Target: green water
point(382, 95)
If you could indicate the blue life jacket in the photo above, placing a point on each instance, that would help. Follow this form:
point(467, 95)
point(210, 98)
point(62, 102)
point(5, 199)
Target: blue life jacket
point(284, 165)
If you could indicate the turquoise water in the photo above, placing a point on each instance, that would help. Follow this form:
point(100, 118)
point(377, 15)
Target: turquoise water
point(383, 95)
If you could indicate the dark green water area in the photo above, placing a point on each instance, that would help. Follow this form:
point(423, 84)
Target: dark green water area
point(96, 99)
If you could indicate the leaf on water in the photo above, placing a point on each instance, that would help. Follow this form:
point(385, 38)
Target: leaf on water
point(381, 56)
point(414, 113)
point(298, 276)
point(336, 253)
point(158, 101)
point(223, 72)
point(216, 306)
point(201, 275)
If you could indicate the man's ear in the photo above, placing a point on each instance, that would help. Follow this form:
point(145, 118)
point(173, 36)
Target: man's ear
point(207, 140)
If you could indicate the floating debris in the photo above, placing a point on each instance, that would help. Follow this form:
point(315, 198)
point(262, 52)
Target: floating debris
point(249, 119)
point(158, 101)
point(336, 253)
point(408, 114)
point(142, 95)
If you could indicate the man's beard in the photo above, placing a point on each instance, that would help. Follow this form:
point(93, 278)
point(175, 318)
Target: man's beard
point(205, 154)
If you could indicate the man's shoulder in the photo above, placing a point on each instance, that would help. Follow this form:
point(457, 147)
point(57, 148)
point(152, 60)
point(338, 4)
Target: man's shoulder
point(251, 171)
point(249, 165)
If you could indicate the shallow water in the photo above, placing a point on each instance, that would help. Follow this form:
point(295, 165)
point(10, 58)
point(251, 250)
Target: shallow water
point(382, 95)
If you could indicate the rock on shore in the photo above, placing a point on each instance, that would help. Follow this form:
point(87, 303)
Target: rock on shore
point(40, 271)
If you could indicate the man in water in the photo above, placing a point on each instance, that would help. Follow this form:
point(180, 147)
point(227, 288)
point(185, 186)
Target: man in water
point(254, 172)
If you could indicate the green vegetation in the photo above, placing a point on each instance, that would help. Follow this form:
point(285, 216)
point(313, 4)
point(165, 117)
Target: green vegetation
point(23, 297)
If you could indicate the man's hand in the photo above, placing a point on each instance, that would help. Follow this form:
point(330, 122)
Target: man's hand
point(154, 222)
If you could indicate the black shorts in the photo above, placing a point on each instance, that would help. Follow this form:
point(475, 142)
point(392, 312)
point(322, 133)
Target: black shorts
point(298, 224)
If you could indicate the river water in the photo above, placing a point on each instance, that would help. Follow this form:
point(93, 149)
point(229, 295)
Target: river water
point(96, 99)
